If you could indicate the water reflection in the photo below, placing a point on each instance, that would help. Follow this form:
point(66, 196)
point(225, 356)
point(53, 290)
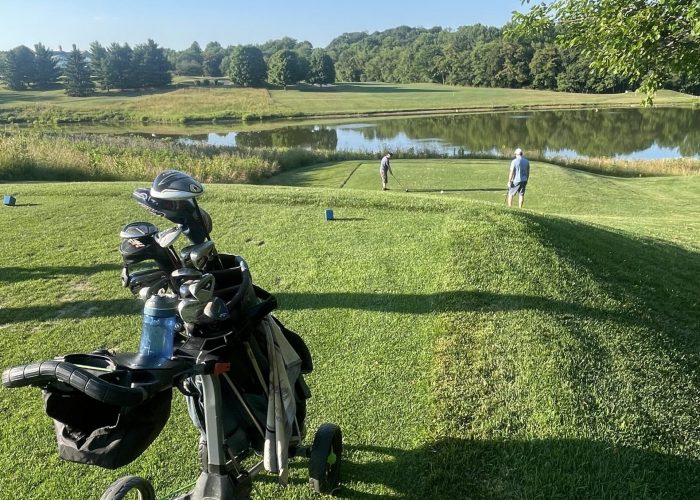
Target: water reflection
point(628, 133)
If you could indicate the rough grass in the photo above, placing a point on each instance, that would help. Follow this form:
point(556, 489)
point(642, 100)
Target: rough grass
point(44, 155)
point(207, 104)
point(467, 350)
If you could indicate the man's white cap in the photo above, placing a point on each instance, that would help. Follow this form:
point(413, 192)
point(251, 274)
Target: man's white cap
point(518, 152)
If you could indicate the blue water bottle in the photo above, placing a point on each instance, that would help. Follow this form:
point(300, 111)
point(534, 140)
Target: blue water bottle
point(158, 332)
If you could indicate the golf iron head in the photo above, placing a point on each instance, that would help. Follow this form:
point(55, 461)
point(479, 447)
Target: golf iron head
point(167, 237)
point(201, 254)
point(203, 288)
point(216, 310)
point(190, 310)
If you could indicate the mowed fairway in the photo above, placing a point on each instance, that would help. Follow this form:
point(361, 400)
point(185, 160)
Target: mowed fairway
point(466, 350)
point(664, 207)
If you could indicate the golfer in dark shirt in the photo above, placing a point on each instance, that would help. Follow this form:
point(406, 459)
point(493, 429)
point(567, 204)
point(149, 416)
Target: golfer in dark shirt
point(517, 180)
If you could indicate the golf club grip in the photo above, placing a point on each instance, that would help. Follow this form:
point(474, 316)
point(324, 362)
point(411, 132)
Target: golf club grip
point(39, 374)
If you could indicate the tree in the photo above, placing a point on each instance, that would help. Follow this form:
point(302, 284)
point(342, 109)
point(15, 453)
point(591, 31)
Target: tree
point(17, 70)
point(212, 57)
point(515, 69)
point(119, 70)
point(283, 68)
point(45, 71)
point(640, 41)
point(77, 75)
point(150, 65)
point(247, 66)
point(485, 62)
point(321, 68)
point(190, 61)
point(271, 46)
point(98, 64)
point(545, 66)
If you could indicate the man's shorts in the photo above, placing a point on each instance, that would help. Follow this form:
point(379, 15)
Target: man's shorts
point(383, 173)
point(518, 188)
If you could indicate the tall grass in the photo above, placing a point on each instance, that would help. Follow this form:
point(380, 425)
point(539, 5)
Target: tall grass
point(31, 155)
point(632, 168)
point(44, 155)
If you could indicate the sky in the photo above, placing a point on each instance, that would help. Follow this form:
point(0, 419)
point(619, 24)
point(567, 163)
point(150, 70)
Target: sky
point(175, 24)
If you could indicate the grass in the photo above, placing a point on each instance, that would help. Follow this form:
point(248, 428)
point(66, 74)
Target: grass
point(45, 155)
point(467, 350)
point(187, 105)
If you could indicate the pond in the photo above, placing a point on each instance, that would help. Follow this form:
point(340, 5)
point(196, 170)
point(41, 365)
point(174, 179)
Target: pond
point(635, 133)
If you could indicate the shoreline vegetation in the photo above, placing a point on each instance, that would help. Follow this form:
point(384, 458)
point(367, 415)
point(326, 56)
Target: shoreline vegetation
point(40, 155)
point(245, 105)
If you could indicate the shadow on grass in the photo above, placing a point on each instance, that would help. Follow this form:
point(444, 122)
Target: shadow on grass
point(29, 96)
point(449, 190)
point(17, 274)
point(36, 172)
point(550, 468)
point(78, 309)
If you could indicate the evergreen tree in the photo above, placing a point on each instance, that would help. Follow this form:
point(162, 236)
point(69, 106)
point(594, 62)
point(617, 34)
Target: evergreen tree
point(119, 70)
point(150, 65)
point(190, 61)
point(45, 71)
point(17, 69)
point(213, 55)
point(98, 64)
point(77, 75)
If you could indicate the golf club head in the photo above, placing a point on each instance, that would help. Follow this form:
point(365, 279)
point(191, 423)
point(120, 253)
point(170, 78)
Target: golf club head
point(185, 254)
point(190, 310)
point(216, 310)
point(201, 254)
point(203, 288)
point(196, 223)
point(135, 250)
point(141, 279)
point(138, 230)
point(167, 237)
point(186, 273)
point(147, 292)
point(185, 289)
point(175, 185)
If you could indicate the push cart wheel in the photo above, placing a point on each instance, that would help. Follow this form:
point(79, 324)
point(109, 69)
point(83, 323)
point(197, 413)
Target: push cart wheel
point(121, 488)
point(326, 454)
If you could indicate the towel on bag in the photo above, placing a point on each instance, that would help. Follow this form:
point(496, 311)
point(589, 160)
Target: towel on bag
point(285, 365)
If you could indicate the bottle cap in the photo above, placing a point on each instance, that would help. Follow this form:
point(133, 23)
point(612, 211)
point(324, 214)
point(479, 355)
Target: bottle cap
point(161, 306)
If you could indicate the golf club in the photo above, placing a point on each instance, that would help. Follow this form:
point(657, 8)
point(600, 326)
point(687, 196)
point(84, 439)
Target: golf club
point(147, 292)
point(201, 254)
point(186, 273)
point(203, 289)
point(190, 309)
point(398, 182)
point(184, 291)
point(167, 237)
point(216, 310)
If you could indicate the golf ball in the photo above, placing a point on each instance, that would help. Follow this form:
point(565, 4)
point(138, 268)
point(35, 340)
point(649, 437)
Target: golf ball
point(442, 191)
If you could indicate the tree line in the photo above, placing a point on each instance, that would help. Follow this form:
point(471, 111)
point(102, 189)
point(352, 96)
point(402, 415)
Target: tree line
point(279, 62)
point(475, 55)
point(480, 56)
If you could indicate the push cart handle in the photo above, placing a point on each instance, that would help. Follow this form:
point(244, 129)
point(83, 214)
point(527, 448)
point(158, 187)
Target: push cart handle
point(40, 374)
